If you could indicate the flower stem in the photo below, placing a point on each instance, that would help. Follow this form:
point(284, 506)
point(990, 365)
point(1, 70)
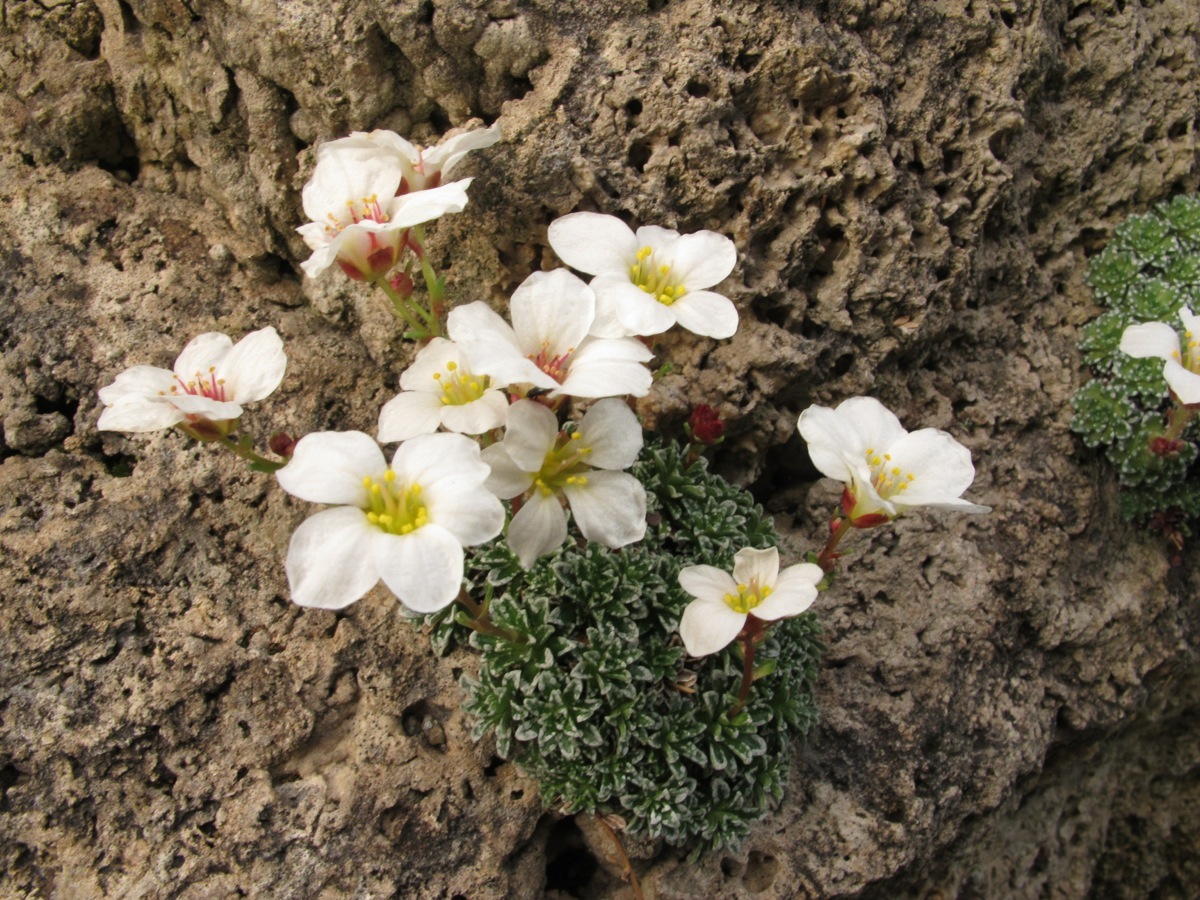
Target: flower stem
point(244, 448)
point(1177, 420)
point(752, 633)
point(434, 284)
point(480, 622)
point(829, 556)
point(413, 315)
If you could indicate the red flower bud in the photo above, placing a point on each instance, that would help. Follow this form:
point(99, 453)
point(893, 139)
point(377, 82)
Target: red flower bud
point(705, 425)
point(282, 444)
point(1163, 446)
point(402, 284)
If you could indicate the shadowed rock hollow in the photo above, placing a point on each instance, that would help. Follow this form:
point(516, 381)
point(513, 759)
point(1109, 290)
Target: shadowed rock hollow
point(1009, 702)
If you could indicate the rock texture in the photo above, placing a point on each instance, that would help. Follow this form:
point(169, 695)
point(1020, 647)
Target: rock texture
point(1010, 702)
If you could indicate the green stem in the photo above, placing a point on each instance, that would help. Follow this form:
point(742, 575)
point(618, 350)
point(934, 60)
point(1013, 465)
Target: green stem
point(1177, 420)
point(433, 283)
point(411, 313)
point(243, 448)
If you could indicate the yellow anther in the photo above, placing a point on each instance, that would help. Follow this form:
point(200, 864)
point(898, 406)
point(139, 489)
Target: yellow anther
point(911, 476)
point(742, 588)
point(664, 269)
point(373, 518)
point(389, 476)
point(729, 599)
point(644, 253)
point(766, 592)
point(385, 520)
point(406, 529)
point(575, 435)
point(581, 479)
point(367, 482)
point(415, 490)
point(895, 470)
point(437, 376)
point(451, 366)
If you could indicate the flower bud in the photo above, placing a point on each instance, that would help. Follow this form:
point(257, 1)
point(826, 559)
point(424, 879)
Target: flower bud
point(705, 425)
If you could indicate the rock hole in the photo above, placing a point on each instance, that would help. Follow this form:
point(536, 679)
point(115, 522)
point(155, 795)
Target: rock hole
point(761, 870)
point(129, 22)
point(1178, 130)
point(492, 767)
point(697, 88)
point(413, 717)
point(639, 155)
point(747, 61)
point(118, 465)
point(633, 108)
point(570, 866)
point(1007, 18)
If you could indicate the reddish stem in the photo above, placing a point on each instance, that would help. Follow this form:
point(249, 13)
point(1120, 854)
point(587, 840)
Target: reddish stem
point(837, 530)
point(753, 632)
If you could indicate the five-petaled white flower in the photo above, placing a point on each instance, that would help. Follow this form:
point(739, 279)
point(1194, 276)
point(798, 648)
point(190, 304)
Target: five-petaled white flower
point(886, 469)
point(647, 282)
point(547, 345)
point(358, 221)
point(406, 524)
point(544, 465)
point(426, 168)
point(757, 588)
point(1158, 339)
point(440, 391)
point(213, 377)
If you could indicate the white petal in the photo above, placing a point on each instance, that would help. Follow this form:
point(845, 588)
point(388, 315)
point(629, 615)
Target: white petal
point(594, 243)
point(203, 353)
point(140, 382)
point(437, 460)
point(759, 567)
point(446, 155)
point(329, 467)
point(610, 508)
point(424, 206)
point(1184, 383)
point(204, 408)
point(706, 314)
point(794, 592)
point(491, 346)
point(1150, 339)
point(708, 626)
point(538, 528)
point(703, 259)
point(473, 514)
point(604, 367)
point(1191, 322)
point(389, 141)
point(612, 431)
point(488, 412)
point(941, 465)
point(634, 311)
point(552, 312)
point(135, 415)
point(507, 479)
point(530, 434)
point(424, 568)
point(831, 439)
point(349, 170)
point(409, 414)
point(329, 561)
point(254, 367)
point(877, 426)
point(707, 582)
point(322, 258)
point(431, 361)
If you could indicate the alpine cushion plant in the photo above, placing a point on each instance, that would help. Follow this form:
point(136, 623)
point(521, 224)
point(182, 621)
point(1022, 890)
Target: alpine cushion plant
point(547, 467)
point(649, 281)
point(204, 392)
point(1139, 406)
point(406, 524)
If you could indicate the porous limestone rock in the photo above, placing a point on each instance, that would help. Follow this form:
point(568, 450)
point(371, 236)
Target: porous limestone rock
point(1009, 702)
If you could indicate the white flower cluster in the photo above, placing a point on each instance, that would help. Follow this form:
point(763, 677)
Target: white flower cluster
point(506, 383)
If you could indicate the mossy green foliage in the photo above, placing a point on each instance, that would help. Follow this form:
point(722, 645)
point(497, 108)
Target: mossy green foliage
point(602, 706)
point(1149, 270)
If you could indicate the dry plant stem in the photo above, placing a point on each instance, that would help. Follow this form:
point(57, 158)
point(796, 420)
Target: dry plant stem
point(753, 632)
point(626, 865)
point(479, 620)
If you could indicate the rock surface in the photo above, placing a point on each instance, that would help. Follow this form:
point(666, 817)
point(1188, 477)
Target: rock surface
point(1009, 703)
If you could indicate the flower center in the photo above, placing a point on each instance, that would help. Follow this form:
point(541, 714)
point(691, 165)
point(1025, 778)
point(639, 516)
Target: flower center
point(654, 278)
point(201, 385)
point(554, 366)
point(748, 597)
point(367, 209)
point(392, 508)
point(564, 465)
point(1191, 353)
point(886, 478)
point(461, 387)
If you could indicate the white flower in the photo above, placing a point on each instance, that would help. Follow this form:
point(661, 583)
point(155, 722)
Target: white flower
point(440, 391)
point(1158, 339)
point(427, 168)
point(213, 377)
point(547, 345)
point(545, 465)
point(649, 281)
point(886, 469)
point(406, 524)
point(358, 220)
point(757, 588)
